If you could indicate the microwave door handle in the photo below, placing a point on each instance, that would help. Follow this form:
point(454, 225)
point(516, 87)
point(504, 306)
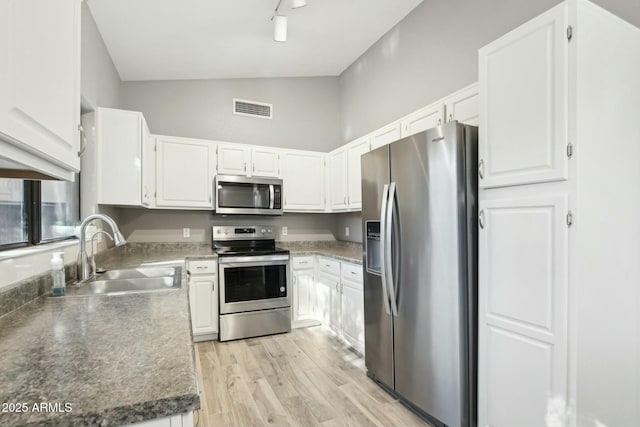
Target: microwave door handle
point(271, 196)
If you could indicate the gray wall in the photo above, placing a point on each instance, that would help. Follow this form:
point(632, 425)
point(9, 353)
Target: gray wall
point(353, 220)
point(141, 225)
point(433, 52)
point(100, 85)
point(306, 110)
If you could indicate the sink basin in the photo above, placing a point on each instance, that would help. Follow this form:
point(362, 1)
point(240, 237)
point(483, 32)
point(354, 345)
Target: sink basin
point(133, 280)
point(138, 273)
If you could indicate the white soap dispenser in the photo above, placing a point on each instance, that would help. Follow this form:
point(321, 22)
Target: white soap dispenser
point(57, 274)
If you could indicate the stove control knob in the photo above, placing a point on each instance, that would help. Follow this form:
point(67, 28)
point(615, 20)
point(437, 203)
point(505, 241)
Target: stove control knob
point(263, 230)
point(218, 231)
point(281, 288)
point(226, 231)
point(269, 230)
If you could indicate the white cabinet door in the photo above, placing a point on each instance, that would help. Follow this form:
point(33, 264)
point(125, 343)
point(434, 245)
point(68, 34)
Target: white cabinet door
point(233, 159)
point(523, 310)
point(185, 172)
point(303, 296)
point(265, 162)
point(423, 119)
point(463, 106)
point(353, 313)
point(355, 151)
point(523, 85)
point(203, 298)
point(304, 181)
point(148, 166)
point(324, 284)
point(119, 156)
point(385, 135)
point(40, 82)
point(339, 166)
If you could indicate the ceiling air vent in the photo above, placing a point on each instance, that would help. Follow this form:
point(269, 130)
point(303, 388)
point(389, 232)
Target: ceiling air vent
point(252, 108)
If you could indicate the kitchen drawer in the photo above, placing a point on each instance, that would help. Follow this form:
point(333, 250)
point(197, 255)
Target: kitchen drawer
point(202, 267)
point(302, 262)
point(352, 272)
point(329, 265)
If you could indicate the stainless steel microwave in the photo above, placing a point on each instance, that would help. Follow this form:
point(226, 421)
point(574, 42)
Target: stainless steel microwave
point(248, 196)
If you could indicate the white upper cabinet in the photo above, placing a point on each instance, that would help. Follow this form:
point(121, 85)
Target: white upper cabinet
point(185, 172)
point(385, 135)
point(119, 142)
point(40, 85)
point(423, 119)
point(265, 162)
point(523, 98)
point(355, 151)
point(304, 188)
point(338, 163)
point(463, 106)
point(148, 166)
point(233, 159)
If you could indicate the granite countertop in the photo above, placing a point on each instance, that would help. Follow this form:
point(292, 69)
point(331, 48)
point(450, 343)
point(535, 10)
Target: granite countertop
point(114, 359)
point(343, 251)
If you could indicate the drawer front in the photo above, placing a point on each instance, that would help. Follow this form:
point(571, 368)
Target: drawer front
point(202, 267)
point(352, 272)
point(302, 262)
point(329, 265)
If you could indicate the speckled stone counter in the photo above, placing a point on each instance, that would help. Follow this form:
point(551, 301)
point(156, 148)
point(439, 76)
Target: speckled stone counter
point(139, 253)
point(115, 359)
point(343, 251)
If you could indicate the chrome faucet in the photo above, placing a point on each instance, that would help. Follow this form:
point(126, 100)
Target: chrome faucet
point(83, 263)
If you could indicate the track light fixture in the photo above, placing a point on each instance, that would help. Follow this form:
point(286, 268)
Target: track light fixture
point(280, 21)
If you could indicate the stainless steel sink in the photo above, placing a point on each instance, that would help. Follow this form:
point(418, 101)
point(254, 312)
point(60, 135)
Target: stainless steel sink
point(132, 280)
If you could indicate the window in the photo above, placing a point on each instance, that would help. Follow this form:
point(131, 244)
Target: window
point(35, 212)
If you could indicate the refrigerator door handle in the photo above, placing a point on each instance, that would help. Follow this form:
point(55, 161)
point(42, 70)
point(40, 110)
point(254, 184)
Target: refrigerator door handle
point(383, 267)
point(391, 288)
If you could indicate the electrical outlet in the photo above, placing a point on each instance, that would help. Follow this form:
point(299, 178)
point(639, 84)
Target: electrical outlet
point(346, 231)
point(285, 230)
point(186, 232)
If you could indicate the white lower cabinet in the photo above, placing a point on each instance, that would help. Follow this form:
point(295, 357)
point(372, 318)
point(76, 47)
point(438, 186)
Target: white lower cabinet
point(179, 420)
point(203, 298)
point(340, 299)
point(304, 292)
point(523, 310)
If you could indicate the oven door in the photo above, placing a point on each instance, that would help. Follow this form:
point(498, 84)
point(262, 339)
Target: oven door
point(250, 283)
point(243, 195)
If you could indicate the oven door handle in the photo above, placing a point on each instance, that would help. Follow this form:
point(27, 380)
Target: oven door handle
point(252, 261)
point(272, 195)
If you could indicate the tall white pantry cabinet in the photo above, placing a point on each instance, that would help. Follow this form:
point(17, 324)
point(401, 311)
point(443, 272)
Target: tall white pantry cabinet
point(559, 216)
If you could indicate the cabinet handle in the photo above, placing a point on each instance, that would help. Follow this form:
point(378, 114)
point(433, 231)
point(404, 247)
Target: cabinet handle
point(439, 122)
point(481, 219)
point(253, 167)
point(213, 286)
point(481, 169)
point(146, 192)
point(450, 117)
point(344, 200)
point(201, 267)
point(354, 273)
point(245, 166)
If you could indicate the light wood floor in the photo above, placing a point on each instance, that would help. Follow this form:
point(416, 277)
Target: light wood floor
point(304, 378)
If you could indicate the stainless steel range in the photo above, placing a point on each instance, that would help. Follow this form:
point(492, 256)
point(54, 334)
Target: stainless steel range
point(255, 298)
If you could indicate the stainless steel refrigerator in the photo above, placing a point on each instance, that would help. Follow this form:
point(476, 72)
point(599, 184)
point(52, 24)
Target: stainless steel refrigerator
point(419, 209)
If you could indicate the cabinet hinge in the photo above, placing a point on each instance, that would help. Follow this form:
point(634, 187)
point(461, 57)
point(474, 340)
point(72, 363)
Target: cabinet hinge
point(569, 33)
point(569, 150)
point(569, 219)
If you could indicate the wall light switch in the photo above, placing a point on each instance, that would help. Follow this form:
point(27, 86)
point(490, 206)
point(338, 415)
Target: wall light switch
point(186, 232)
point(285, 230)
point(346, 231)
